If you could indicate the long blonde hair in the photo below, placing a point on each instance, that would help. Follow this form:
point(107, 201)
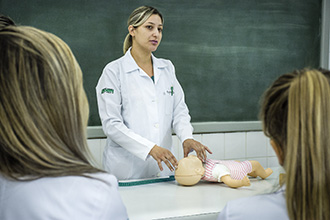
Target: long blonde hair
point(296, 115)
point(138, 17)
point(43, 107)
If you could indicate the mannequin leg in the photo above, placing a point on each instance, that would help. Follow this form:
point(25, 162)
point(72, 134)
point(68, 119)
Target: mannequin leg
point(258, 170)
point(235, 183)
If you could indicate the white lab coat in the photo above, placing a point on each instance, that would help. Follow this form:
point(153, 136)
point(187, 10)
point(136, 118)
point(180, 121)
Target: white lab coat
point(137, 113)
point(71, 197)
point(270, 206)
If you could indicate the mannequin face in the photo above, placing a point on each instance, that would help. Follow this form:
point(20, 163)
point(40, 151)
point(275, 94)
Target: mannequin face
point(190, 170)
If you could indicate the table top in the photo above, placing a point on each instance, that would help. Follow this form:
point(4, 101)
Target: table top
point(169, 200)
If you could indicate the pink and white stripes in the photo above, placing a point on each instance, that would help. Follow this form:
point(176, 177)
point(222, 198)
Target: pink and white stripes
point(238, 170)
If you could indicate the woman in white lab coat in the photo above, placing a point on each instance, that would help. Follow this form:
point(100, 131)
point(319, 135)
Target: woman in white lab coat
point(140, 101)
point(45, 171)
point(296, 117)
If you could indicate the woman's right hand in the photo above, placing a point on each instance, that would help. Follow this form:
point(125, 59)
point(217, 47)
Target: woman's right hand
point(161, 154)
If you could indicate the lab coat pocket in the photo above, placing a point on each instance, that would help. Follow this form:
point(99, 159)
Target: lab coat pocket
point(168, 103)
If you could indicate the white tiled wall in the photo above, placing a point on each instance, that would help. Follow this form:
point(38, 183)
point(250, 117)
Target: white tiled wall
point(237, 146)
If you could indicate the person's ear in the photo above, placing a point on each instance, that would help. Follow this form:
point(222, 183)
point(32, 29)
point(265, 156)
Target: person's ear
point(278, 150)
point(131, 30)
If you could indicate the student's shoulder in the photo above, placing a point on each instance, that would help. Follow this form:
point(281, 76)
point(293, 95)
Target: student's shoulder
point(92, 195)
point(100, 195)
point(105, 178)
point(261, 206)
point(106, 196)
point(75, 184)
point(277, 196)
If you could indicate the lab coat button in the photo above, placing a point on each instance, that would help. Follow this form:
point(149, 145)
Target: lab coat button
point(156, 125)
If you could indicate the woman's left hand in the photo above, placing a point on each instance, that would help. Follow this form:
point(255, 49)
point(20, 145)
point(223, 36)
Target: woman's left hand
point(191, 144)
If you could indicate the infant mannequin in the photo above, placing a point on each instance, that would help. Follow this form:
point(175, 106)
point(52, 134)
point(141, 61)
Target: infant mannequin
point(191, 170)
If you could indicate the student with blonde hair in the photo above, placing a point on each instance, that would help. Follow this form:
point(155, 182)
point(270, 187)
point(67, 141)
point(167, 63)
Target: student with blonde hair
point(296, 117)
point(45, 170)
point(141, 102)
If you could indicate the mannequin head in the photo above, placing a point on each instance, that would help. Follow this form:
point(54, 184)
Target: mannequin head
point(190, 170)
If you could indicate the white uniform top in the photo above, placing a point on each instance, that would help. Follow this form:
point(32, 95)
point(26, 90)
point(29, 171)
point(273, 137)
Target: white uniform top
point(270, 206)
point(137, 113)
point(70, 197)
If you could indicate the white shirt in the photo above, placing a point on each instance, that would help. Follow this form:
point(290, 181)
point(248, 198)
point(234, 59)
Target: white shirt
point(137, 113)
point(270, 206)
point(219, 171)
point(62, 198)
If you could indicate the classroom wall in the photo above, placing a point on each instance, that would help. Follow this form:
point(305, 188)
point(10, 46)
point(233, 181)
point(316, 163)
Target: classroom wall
point(250, 145)
point(225, 53)
point(241, 145)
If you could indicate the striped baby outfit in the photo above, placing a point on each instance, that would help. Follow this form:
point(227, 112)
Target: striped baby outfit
point(237, 170)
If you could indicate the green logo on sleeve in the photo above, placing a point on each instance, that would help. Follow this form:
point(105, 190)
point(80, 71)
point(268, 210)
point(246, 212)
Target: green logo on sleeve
point(107, 90)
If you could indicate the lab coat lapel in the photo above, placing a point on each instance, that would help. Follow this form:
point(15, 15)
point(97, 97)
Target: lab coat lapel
point(158, 66)
point(130, 64)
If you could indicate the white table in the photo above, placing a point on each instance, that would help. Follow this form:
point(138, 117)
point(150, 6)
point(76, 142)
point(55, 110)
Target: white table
point(168, 200)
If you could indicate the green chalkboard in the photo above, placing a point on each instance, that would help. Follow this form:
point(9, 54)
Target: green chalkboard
point(226, 53)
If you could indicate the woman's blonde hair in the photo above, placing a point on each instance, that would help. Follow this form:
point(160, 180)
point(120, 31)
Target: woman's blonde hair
point(43, 107)
point(296, 115)
point(136, 19)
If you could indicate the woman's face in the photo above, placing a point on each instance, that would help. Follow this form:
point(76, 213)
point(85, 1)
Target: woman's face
point(148, 35)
